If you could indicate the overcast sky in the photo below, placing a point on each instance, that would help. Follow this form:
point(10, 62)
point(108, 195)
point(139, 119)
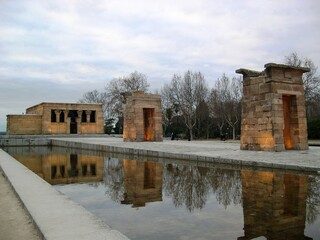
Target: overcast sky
point(54, 51)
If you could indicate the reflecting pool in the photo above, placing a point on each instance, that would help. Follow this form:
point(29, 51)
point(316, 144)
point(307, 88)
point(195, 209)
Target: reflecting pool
point(168, 199)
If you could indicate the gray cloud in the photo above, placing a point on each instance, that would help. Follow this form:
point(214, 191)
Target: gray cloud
point(70, 47)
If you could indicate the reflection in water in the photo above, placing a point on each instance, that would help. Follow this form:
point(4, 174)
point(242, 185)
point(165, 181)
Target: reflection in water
point(142, 182)
point(191, 186)
point(62, 168)
point(274, 205)
point(134, 182)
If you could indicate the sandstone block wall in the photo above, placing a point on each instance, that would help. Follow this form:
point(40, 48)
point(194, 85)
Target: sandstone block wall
point(24, 124)
point(59, 118)
point(273, 109)
point(142, 117)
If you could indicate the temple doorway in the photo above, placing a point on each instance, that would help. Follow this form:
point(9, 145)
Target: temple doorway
point(148, 116)
point(73, 122)
point(290, 120)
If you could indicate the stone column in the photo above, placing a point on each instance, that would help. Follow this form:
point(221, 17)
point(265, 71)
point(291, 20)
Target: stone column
point(58, 175)
point(67, 120)
point(79, 121)
point(57, 112)
point(88, 113)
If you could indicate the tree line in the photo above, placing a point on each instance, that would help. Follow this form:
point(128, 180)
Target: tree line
point(192, 110)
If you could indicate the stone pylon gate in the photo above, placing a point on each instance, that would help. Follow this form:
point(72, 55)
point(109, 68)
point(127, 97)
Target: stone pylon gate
point(142, 117)
point(273, 109)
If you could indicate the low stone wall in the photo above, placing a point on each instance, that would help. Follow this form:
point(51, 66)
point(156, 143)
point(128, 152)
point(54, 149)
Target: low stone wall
point(24, 124)
point(14, 141)
point(37, 140)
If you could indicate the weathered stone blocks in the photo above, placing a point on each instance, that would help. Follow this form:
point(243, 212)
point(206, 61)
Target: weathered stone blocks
point(57, 118)
point(273, 110)
point(142, 117)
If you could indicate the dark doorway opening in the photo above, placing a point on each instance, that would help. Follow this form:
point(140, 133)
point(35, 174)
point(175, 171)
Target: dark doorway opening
point(73, 172)
point(73, 122)
point(149, 175)
point(290, 121)
point(73, 126)
point(148, 116)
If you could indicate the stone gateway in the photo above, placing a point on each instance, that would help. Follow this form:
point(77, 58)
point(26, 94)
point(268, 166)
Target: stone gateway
point(142, 117)
point(273, 109)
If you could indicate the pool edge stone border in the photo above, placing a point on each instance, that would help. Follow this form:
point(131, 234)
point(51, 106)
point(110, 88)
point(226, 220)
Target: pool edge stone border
point(54, 215)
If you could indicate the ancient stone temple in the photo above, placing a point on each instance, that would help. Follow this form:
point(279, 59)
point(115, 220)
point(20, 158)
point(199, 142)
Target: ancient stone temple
point(142, 117)
point(273, 109)
point(57, 118)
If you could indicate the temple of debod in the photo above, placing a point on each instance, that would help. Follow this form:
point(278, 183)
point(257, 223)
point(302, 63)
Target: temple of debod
point(273, 113)
point(273, 109)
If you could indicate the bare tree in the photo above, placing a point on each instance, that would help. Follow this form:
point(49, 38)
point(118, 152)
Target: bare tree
point(311, 80)
point(203, 120)
point(186, 93)
point(216, 109)
point(135, 81)
point(233, 105)
point(225, 103)
point(167, 107)
point(95, 97)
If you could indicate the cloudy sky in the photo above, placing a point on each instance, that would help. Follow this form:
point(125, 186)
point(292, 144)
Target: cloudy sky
point(54, 51)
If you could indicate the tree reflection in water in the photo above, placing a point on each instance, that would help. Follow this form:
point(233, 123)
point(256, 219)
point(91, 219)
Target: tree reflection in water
point(190, 185)
point(313, 198)
point(114, 179)
point(186, 185)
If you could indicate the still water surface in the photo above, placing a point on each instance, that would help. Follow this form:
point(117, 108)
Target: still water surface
point(165, 199)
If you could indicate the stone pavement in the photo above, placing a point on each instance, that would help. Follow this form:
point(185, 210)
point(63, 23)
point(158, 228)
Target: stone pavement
point(202, 151)
point(15, 221)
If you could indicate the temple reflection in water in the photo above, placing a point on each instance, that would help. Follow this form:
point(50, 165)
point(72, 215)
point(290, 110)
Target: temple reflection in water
point(274, 205)
point(142, 182)
point(62, 168)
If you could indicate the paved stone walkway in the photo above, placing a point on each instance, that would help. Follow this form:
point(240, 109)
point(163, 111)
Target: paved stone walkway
point(15, 223)
point(212, 151)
